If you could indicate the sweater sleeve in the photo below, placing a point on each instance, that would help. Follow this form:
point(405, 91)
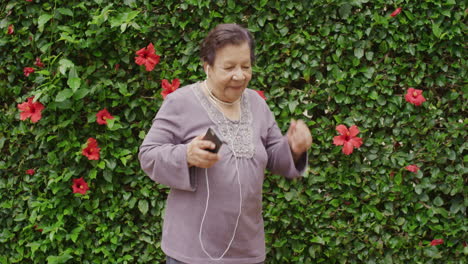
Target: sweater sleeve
point(280, 159)
point(162, 155)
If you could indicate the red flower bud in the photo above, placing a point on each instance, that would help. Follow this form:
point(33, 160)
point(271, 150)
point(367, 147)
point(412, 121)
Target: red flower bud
point(396, 12)
point(11, 29)
point(436, 242)
point(412, 168)
point(39, 63)
point(27, 71)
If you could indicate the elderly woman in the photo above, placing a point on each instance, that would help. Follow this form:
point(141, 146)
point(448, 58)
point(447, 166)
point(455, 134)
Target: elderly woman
point(214, 208)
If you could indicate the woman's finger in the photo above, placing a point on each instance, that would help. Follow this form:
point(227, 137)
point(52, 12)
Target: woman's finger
point(206, 144)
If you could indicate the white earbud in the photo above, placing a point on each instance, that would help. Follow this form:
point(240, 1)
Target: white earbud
point(207, 70)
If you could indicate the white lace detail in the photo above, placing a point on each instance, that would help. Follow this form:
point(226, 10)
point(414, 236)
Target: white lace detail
point(243, 142)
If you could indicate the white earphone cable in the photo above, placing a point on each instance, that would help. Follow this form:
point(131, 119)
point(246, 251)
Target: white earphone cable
point(208, 198)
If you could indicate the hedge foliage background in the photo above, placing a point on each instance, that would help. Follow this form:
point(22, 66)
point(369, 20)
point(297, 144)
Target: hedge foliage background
point(327, 62)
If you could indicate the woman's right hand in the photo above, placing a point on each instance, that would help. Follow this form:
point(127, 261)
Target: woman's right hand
point(198, 156)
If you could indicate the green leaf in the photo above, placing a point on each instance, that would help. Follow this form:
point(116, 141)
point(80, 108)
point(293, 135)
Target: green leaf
point(74, 83)
point(103, 16)
point(65, 11)
point(92, 174)
point(318, 240)
point(369, 72)
point(432, 252)
point(292, 105)
point(456, 206)
point(358, 52)
point(438, 201)
point(123, 18)
point(335, 202)
point(283, 31)
point(63, 95)
point(143, 206)
point(111, 164)
point(64, 65)
point(42, 20)
point(123, 89)
point(345, 10)
point(289, 195)
point(59, 259)
point(436, 30)
point(101, 164)
point(107, 176)
point(373, 95)
point(75, 233)
point(398, 179)
point(110, 123)
point(80, 93)
point(34, 246)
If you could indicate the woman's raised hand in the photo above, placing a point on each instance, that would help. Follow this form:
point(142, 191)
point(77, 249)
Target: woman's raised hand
point(198, 155)
point(299, 138)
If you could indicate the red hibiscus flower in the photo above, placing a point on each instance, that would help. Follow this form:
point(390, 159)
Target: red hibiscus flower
point(80, 186)
point(436, 242)
point(27, 71)
point(396, 12)
point(31, 110)
point(348, 138)
point(414, 96)
point(91, 151)
point(168, 88)
point(11, 29)
point(39, 63)
point(412, 168)
point(148, 57)
point(261, 93)
point(102, 116)
point(38, 229)
point(30, 172)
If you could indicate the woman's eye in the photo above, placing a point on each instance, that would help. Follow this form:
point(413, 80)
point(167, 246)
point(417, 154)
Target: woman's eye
point(246, 67)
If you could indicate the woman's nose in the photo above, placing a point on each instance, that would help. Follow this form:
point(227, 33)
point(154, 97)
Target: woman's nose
point(238, 75)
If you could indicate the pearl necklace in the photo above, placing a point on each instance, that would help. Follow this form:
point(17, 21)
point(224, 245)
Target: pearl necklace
point(213, 97)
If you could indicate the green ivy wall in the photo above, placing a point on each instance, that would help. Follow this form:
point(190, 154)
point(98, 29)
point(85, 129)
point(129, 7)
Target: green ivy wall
point(327, 62)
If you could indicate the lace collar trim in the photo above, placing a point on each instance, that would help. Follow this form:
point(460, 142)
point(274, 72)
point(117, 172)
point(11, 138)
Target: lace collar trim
point(242, 142)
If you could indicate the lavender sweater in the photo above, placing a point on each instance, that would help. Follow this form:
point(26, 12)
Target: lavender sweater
point(259, 145)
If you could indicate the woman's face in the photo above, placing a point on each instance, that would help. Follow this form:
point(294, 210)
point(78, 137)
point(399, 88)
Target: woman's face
point(231, 72)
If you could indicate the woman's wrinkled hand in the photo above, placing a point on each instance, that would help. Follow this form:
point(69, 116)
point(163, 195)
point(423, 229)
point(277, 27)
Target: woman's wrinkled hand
point(299, 138)
point(198, 155)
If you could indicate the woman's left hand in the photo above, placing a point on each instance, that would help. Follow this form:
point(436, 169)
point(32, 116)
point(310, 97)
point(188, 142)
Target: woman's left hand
point(299, 138)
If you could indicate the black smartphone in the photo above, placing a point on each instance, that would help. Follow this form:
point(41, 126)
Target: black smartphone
point(211, 136)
